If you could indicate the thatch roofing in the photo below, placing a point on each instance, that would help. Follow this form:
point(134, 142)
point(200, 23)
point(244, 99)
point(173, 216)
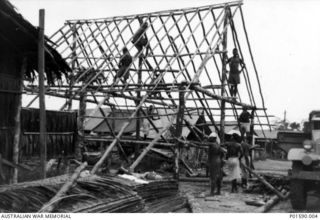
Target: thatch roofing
point(20, 36)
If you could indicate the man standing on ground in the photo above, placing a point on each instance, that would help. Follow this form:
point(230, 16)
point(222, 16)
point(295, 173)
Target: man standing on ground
point(234, 76)
point(245, 158)
point(215, 164)
point(233, 153)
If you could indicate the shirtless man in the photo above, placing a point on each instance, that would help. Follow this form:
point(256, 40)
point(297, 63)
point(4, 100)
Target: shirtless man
point(234, 77)
point(124, 64)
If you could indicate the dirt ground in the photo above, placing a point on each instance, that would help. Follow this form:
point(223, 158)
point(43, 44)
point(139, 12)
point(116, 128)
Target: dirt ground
point(225, 203)
point(235, 202)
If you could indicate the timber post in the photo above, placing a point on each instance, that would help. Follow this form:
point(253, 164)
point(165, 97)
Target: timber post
point(224, 75)
point(80, 146)
point(252, 138)
point(41, 68)
point(73, 65)
point(179, 126)
point(138, 124)
point(17, 123)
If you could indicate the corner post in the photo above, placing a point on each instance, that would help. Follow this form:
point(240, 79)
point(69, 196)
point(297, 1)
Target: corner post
point(179, 124)
point(41, 68)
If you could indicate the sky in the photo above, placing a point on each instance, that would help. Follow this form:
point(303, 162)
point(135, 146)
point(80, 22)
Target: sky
point(284, 36)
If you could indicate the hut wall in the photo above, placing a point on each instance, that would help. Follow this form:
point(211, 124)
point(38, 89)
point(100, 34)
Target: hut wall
point(9, 97)
point(61, 129)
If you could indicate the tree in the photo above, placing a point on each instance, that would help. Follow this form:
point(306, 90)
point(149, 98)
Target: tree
point(295, 126)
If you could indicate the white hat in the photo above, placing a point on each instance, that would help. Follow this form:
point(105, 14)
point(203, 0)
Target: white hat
point(213, 134)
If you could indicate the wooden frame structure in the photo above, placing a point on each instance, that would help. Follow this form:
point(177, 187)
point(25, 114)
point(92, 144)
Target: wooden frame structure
point(183, 63)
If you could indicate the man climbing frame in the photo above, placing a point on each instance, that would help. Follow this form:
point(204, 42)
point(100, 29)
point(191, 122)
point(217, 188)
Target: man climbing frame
point(234, 76)
point(124, 64)
point(244, 121)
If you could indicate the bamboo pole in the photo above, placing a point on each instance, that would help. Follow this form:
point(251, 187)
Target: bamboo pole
point(50, 206)
point(17, 123)
point(41, 67)
point(253, 62)
point(227, 100)
point(146, 150)
point(32, 101)
point(129, 141)
point(262, 180)
point(120, 149)
point(224, 76)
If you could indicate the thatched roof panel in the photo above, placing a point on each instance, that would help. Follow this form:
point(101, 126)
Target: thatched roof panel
point(21, 37)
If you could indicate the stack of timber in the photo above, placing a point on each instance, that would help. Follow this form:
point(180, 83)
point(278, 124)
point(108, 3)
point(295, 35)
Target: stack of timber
point(90, 194)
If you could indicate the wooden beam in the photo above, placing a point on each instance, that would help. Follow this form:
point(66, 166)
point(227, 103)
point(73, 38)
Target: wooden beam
point(262, 180)
point(50, 206)
point(146, 150)
point(272, 201)
point(41, 68)
point(179, 122)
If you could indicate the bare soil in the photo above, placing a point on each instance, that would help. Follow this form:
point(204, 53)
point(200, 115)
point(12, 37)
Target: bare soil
point(229, 202)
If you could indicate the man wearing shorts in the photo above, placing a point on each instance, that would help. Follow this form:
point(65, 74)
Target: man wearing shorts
point(244, 121)
point(234, 76)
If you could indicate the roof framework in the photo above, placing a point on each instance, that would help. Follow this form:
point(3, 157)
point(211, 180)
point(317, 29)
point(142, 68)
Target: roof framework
point(184, 47)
